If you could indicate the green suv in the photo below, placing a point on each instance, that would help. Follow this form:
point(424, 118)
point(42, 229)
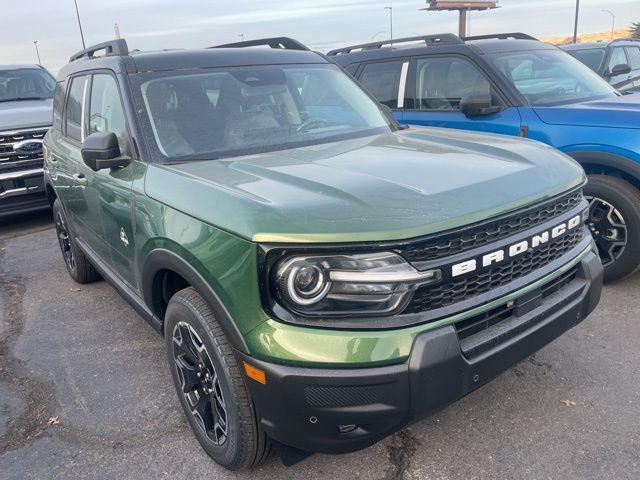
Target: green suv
point(321, 274)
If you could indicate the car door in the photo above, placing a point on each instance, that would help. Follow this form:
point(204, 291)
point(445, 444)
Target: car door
point(633, 54)
point(618, 57)
point(112, 187)
point(386, 81)
point(436, 86)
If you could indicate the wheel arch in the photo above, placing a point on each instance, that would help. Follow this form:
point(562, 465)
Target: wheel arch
point(607, 163)
point(160, 261)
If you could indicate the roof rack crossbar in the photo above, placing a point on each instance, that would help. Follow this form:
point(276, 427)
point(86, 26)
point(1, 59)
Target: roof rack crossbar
point(112, 48)
point(285, 43)
point(502, 36)
point(441, 39)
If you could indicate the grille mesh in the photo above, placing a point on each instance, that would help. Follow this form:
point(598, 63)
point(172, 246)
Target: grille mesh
point(470, 238)
point(431, 297)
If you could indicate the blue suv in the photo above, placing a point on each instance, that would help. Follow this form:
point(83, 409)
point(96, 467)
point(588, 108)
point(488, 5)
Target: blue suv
point(513, 84)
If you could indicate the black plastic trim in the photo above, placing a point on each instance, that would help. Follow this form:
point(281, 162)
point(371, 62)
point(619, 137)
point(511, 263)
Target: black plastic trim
point(607, 159)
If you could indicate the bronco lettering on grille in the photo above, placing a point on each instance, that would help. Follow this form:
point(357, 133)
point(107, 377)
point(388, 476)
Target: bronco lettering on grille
point(516, 249)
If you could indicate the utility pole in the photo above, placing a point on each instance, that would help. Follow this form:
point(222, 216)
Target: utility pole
point(613, 21)
point(390, 20)
point(35, 42)
point(79, 24)
point(575, 28)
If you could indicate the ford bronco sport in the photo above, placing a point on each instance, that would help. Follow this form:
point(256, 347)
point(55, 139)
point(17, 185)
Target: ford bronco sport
point(321, 275)
point(26, 97)
point(516, 85)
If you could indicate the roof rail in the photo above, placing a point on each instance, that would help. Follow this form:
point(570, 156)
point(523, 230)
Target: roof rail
point(441, 39)
point(625, 40)
point(502, 36)
point(284, 43)
point(111, 48)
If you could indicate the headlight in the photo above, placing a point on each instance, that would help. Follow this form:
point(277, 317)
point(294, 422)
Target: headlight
point(347, 285)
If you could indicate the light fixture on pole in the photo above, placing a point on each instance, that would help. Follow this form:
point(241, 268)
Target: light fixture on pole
point(79, 24)
point(390, 20)
point(35, 42)
point(613, 21)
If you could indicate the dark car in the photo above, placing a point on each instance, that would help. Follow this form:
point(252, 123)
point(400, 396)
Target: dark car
point(513, 84)
point(618, 62)
point(26, 109)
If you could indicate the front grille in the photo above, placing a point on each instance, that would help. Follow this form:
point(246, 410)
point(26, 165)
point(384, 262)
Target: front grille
point(478, 323)
point(435, 296)
point(11, 160)
point(462, 240)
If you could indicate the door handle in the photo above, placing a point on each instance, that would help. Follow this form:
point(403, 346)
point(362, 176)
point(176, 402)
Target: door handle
point(80, 179)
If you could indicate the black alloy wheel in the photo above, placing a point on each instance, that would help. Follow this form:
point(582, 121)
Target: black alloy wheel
point(608, 228)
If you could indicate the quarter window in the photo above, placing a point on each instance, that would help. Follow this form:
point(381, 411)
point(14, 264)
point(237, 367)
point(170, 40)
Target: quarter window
point(106, 112)
point(634, 57)
point(441, 83)
point(382, 80)
point(73, 111)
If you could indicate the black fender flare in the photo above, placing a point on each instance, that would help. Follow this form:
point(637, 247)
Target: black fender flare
point(163, 259)
point(609, 160)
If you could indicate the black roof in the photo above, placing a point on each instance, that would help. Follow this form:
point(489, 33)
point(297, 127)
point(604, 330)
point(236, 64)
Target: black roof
point(122, 60)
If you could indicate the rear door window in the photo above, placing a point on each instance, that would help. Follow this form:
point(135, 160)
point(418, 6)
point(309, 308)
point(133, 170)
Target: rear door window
point(74, 108)
point(634, 57)
point(382, 79)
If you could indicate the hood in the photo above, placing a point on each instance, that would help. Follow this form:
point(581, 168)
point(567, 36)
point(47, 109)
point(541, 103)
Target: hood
point(26, 114)
point(616, 112)
point(387, 187)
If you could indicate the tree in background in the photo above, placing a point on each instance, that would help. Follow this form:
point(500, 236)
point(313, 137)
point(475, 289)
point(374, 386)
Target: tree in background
point(635, 30)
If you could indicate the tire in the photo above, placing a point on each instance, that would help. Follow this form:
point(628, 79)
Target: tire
point(614, 221)
point(241, 443)
point(78, 266)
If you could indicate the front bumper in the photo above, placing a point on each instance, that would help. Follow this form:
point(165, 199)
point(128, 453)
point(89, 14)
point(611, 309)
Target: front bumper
point(22, 191)
point(343, 410)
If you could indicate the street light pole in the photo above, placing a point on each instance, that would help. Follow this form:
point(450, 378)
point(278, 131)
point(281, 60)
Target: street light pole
point(613, 21)
point(79, 24)
point(390, 20)
point(373, 37)
point(35, 42)
point(241, 35)
point(575, 28)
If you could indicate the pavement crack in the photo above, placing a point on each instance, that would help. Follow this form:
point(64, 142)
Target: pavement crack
point(37, 397)
point(401, 448)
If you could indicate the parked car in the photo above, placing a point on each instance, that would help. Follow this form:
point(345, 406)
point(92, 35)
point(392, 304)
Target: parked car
point(618, 61)
point(26, 107)
point(321, 275)
point(513, 84)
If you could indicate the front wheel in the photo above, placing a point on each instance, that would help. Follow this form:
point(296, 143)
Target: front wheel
point(210, 385)
point(614, 221)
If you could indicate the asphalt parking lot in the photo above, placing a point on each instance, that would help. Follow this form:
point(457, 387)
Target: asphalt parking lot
point(85, 392)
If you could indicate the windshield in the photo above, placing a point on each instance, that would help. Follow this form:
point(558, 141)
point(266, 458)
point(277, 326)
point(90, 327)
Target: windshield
point(551, 77)
point(245, 110)
point(591, 57)
point(25, 84)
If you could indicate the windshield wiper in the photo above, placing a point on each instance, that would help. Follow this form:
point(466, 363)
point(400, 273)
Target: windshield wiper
point(19, 99)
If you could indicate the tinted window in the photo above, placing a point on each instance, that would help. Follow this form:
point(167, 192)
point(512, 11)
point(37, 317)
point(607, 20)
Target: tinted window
point(382, 80)
point(58, 105)
point(634, 57)
point(591, 57)
point(617, 58)
point(243, 110)
point(106, 113)
point(73, 112)
point(441, 83)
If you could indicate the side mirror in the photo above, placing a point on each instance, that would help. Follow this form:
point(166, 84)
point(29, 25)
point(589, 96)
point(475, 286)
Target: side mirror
point(100, 150)
point(478, 104)
point(620, 69)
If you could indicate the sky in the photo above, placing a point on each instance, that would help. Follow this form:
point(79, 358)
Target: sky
point(321, 24)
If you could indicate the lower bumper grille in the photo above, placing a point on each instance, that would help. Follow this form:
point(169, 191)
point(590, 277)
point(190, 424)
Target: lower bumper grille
point(431, 297)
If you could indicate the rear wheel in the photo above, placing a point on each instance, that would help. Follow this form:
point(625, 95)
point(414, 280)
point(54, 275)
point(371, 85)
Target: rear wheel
point(210, 385)
point(78, 266)
point(614, 221)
